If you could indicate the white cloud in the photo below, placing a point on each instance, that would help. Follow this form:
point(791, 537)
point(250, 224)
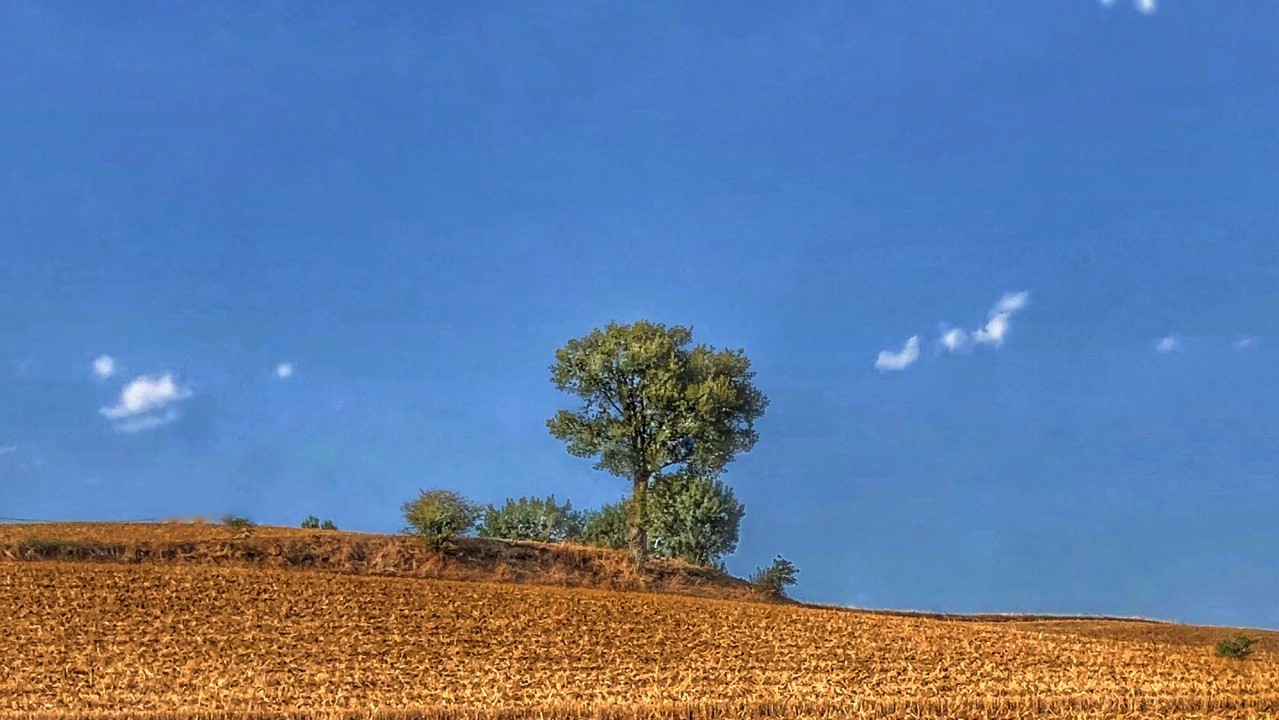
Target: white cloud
point(104, 366)
point(6, 449)
point(954, 340)
point(1010, 303)
point(139, 402)
point(1146, 7)
point(888, 360)
point(1167, 344)
point(284, 370)
point(146, 422)
point(998, 322)
point(1244, 343)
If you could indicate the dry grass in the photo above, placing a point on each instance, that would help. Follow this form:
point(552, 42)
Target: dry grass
point(362, 553)
point(192, 639)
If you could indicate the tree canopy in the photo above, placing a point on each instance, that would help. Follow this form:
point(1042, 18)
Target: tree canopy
point(653, 403)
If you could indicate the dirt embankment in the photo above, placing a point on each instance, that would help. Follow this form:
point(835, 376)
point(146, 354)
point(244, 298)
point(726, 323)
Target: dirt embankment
point(476, 559)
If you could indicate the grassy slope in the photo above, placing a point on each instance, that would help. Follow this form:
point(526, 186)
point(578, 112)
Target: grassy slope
point(230, 625)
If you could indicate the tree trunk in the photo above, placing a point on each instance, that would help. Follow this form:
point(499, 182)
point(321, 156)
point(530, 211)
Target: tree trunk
point(638, 536)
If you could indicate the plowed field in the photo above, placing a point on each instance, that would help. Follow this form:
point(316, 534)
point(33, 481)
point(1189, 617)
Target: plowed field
point(79, 637)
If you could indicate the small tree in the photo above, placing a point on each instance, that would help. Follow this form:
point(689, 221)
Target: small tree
point(694, 517)
point(531, 519)
point(772, 580)
point(313, 523)
point(438, 516)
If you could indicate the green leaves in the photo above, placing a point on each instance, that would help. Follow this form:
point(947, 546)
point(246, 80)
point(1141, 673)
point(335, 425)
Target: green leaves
point(531, 519)
point(437, 516)
point(650, 402)
point(772, 580)
point(694, 517)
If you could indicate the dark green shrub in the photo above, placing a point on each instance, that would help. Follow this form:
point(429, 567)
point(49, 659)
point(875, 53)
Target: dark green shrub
point(772, 580)
point(313, 523)
point(531, 519)
point(437, 516)
point(694, 517)
point(1238, 647)
point(605, 527)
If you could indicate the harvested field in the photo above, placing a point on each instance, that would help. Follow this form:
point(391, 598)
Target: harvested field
point(190, 640)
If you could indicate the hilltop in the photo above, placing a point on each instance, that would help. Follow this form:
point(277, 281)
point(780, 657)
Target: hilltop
point(271, 546)
point(187, 621)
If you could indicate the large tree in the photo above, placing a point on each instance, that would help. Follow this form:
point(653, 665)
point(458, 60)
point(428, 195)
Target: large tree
point(653, 404)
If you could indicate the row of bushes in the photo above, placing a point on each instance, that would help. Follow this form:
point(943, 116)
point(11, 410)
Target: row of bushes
point(691, 518)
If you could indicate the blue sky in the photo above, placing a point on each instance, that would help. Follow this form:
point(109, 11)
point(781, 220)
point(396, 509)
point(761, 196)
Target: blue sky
point(414, 208)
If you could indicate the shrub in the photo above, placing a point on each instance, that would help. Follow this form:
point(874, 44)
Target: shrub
point(605, 527)
point(1236, 647)
point(240, 527)
point(694, 517)
point(437, 516)
point(772, 580)
point(313, 523)
point(531, 519)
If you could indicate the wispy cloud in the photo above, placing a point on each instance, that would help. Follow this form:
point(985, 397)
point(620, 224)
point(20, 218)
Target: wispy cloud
point(1167, 344)
point(104, 366)
point(1145, 7)
point(146, 422)
point(998, 322)
point(1244, 343)
point(889, 360)
point(6, 449)
point(146, 402)
point(284, 370)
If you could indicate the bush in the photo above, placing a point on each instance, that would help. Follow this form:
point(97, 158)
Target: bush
point(313, 523)
point(1236, 647)
point(694, 517)
point(438, 516)
point(531, 519)
point(772, 580)
point(605, 527)
point(240, 527)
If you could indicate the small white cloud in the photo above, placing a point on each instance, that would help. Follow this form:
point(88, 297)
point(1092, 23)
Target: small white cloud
point(104, 366)
point(139, 402)
point(954, 340)
point(999, 318)
point(6, 449)
point(1167, 344)
point(1010, 303)
point(1146, 7)
point(147, 422)
point(888, 360)
point(1244, 343)
point(284, 370)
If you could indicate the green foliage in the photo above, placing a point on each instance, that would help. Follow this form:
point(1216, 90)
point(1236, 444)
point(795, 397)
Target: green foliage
point(531, 519)
point(1238, 647)
point(694, 517)
point(239, 527)
point(313, 523)
point(772, 580)
point(651, 402)
point(437, 516)
point(605, 527)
